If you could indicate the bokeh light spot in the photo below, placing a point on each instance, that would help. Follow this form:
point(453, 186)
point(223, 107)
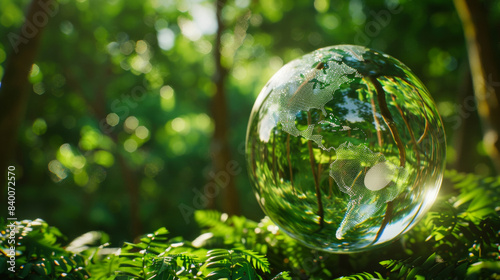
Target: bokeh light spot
point(104, 158)
point(142, 132)
point(130, 145)
point(131, 124)
point(39, 126)
point(112, 119)
point(179, 125)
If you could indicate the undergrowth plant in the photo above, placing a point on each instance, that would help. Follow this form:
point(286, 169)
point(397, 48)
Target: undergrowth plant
point(458, 239)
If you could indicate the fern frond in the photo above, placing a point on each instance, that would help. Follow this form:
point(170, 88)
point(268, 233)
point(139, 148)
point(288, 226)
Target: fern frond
point(363, 276)
point(430, 268)
point(258, 261)
point(233, 264)
point(173, 267)
point(137, 259)
point(39, 253)
point(478, 195)
point(284, 275)
point(104, 268)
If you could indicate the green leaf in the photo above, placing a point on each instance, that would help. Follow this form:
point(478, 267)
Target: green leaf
point(130, 271)
point(284, 275)
point(258, 261)
point(412, 273)
point(25, 270)
point(429, 262)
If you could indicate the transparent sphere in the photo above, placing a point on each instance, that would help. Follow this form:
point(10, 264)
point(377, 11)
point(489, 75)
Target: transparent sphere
point(345, 149)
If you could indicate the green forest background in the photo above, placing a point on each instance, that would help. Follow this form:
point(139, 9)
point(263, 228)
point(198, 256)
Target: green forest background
point(131, 107)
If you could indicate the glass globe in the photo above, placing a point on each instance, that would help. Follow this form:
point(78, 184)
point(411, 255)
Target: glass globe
point(345, 149)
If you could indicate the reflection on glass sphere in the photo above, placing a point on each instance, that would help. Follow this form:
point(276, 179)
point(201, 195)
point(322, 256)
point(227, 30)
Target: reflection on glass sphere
point(345, 149)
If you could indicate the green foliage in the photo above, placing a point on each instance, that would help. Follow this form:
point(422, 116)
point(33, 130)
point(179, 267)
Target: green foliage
point(38, 253)
point(158, 257)
point(235, 264)
point(410, 268)
point(462, 234)
point(96, 57)
point(363, 276)
point(458, 239)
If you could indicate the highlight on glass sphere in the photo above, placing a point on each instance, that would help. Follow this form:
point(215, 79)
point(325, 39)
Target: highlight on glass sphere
point(345, 149)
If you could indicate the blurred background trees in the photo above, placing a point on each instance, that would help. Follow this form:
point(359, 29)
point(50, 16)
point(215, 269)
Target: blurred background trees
point(133, 111)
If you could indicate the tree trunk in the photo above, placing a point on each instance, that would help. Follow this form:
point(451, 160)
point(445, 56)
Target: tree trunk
point(467, 132)
point(14, 92)
point(484, 73)
point(220, 145)
point(131, 182)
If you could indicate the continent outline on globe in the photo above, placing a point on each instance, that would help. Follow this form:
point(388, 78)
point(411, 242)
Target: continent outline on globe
point(293, 105)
